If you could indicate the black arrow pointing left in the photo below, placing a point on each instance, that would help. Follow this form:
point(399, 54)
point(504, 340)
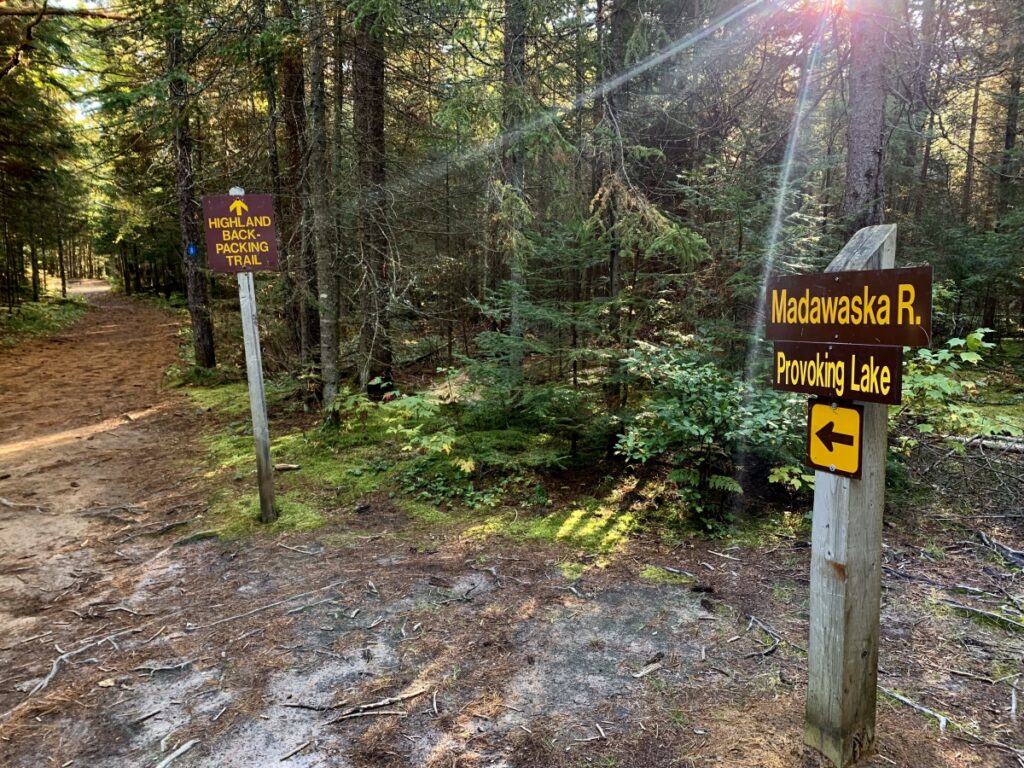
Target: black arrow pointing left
point(828, 436)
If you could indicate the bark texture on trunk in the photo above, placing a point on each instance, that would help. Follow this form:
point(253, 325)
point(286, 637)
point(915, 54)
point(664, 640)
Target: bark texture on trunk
point(972, 138)
point(513, 165)
point(297, 234)
point(864, 198)
point(1009, 164)
point(368, 118)
point(188, 206)
point(317, 170)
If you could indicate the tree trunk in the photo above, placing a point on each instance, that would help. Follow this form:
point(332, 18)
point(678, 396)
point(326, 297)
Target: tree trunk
point(273, 157)
point(136, 268)
point(188, 206)
point(34, 258)
point(61, 265)
point(368, 106)
point(317, 171)
point(1008, 163)
point(864, 197)
point(297, 234)
point(965, 202)
point(918, 114)
point(513, 167)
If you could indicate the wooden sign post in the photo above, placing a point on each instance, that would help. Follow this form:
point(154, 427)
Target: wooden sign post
point(846, 567)
point(241, 238)
point(839, 335)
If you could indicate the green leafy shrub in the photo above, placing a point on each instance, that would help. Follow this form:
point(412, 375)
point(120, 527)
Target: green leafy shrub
point(701, 421)
point(938, 393)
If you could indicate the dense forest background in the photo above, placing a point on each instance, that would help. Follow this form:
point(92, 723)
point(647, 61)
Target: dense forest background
point(560, 213)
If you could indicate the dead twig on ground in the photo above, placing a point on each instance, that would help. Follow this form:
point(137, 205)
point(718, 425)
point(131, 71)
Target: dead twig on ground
point(646, 670)
point(254, 611)
point(300, 550)
point(316, 707)
point(176, 753)
point(1011, 556)
point(371, 713)
point(374, 708)
point(295, 751)
point(1003, 621)
point(159, 531)
point(942, 719)
point(64, 658)
point(152, 670)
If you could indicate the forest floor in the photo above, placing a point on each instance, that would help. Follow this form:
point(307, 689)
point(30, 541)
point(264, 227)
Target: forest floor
point(129, 632)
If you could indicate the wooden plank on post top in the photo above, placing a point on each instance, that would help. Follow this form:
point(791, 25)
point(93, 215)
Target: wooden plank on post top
point(257, 393)
point(846, 552)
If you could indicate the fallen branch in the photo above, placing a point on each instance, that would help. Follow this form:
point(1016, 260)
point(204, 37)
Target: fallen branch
point(254, 611)
point(677, 571)
point(173, 667)
point(1003, 621)
point(295, 751)
point(159, 531)
point(17, 505)
point(176, 753)
point(1012, 556)
point(131, 509)
point(943, 720)
point(375, 707)
point(1009, 445)
point(371, 713)
point(647, 670)
point(64, 657)
point(316, 707)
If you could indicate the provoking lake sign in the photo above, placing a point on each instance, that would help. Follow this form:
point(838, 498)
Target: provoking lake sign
point(840, 335)
point(241, 238)
point(850, 371)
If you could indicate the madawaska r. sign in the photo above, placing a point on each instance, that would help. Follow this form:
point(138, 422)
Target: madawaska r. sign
point(889, 307)
point(240, 233)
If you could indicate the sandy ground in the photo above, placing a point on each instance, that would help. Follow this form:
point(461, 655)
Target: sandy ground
point(379, 641)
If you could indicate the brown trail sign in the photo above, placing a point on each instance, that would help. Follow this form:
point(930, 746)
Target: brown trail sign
point(891, 307)
point(850, 371)
point(241, 238)
point(240, 233)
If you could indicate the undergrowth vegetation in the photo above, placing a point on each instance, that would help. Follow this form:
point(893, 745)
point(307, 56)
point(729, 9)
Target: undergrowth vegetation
point(33, 319)
point(698, 451)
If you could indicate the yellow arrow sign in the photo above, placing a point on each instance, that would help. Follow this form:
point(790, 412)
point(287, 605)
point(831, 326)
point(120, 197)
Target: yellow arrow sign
point(238, 207)
point(834, 437)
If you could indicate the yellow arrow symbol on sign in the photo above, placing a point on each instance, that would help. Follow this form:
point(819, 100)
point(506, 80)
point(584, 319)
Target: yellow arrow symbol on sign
point(238, 207)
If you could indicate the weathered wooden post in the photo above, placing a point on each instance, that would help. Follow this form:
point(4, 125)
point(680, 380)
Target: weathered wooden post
point(257, 396)
point(840, 336)
point(846, 554)
point(241, 238)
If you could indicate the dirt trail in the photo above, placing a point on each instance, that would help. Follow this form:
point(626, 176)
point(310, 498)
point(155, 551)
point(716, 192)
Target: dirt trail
point(85, 432)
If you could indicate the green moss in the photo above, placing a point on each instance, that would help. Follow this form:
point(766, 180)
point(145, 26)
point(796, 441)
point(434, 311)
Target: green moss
point(347, 474)
point(591, 526)
point(238, 514)
point(425, 513)
point(572, 571)
point(510, 449)
point(658, 575)
point(1007, 415)
point(225, 399)
point(39, 319)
